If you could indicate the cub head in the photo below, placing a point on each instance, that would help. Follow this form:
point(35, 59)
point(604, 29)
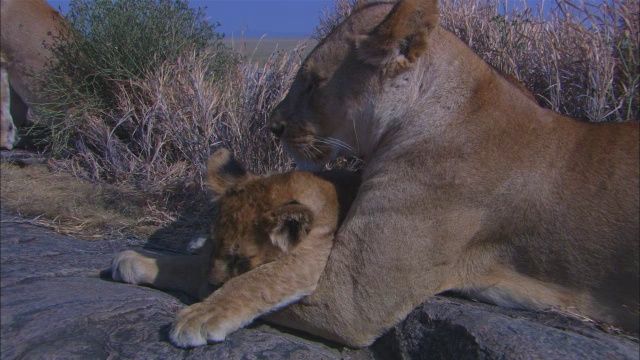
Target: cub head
point(334, 95)
point(263, 218)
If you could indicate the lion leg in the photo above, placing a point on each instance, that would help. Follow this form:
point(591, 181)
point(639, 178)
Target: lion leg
point(187, 273)
point(339, 310)
point(507, 288)
point(8, 131)
point(381, 267)
point(242, 299)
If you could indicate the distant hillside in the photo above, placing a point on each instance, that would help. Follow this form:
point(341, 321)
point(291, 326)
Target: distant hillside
point(259, 49)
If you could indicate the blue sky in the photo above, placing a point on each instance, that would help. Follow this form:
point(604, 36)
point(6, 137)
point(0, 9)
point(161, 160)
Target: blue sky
point(276, 18)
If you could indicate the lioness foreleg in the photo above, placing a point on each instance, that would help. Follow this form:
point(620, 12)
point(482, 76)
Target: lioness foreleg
point(381, 266)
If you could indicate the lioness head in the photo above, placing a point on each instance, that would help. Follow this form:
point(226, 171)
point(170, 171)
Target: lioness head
point(338, 85)
point(264, 218)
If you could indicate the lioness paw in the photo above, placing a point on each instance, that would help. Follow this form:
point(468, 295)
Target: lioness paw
point(130, 267)
point(199, 324)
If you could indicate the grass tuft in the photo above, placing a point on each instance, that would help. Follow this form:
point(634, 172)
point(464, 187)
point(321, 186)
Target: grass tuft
point(72, 207)
point(149, 124)
point(579, 59)
point(140, 101)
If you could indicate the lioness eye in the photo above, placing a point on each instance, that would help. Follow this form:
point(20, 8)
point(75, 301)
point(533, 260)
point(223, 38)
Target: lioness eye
point(310, 87)
point(313, 83)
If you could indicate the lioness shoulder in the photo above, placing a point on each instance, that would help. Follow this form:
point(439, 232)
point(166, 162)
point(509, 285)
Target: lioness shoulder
point(468, 184)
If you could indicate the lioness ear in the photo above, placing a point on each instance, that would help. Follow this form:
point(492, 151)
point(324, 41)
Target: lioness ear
point(223, 171)
point(292, 222)
point(401, 38)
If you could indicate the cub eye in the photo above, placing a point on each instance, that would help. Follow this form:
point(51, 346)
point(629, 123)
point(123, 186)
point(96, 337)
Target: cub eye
point(237, 263)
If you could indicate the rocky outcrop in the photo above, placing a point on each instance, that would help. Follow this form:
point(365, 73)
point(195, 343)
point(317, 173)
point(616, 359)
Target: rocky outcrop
point(57, 302)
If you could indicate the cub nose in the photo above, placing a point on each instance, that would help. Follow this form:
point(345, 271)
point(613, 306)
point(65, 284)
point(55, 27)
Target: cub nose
point(277, 128)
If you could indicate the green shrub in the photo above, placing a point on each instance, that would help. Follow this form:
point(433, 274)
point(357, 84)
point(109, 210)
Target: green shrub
point(142, 92)
point(109, 45)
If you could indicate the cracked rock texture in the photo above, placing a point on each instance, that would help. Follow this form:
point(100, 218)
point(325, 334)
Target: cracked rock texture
point(57, 302)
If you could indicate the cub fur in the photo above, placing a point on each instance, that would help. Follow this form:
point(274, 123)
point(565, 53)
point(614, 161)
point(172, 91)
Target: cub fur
point(268, 248)
point(468, 185)
point(25, 27)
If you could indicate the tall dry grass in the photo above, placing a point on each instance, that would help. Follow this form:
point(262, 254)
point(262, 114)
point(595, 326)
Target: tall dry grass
point(579, 58)
point(176, 116)
point(141, 101)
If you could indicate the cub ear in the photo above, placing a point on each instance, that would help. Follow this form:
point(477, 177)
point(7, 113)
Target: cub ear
point(223, 171)
point(401, 38)
point(291, 223)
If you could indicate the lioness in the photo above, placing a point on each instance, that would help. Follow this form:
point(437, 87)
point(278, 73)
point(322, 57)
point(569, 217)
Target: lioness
point(269, 247)
point(468, 185)
point(25, 27)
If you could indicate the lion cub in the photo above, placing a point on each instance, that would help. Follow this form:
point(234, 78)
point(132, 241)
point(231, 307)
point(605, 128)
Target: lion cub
point(268, 248)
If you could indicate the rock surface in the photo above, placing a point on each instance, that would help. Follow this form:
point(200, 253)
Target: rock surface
point(57, 302)
point(22, 157)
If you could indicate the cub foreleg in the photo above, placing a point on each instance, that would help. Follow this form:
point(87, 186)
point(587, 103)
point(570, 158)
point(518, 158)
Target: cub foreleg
point(187, 273)
point(242, 299)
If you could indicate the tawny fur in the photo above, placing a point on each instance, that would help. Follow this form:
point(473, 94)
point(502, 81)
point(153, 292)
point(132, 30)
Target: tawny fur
point(269, 248)
point(468, 184)
point(27, 27)
point(402, 37)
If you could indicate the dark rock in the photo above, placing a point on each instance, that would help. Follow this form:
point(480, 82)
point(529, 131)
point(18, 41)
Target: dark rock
point(450, 328)
point(55, 304)
point(22, 157)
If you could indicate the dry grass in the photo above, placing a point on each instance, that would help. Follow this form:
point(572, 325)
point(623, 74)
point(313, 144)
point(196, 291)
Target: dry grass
point(155, 144)
point(608, 328)
point(580, 60)
point(333, 16)
point(74, 207)
point(174, 118)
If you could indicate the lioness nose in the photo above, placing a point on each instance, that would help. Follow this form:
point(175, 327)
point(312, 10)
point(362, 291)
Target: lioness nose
point(277, 128)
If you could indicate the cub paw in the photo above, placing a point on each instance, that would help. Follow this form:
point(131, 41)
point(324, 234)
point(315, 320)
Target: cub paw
point(130, 267)
point(199, 324)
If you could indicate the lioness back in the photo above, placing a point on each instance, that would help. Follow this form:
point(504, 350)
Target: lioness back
point(27, 27)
